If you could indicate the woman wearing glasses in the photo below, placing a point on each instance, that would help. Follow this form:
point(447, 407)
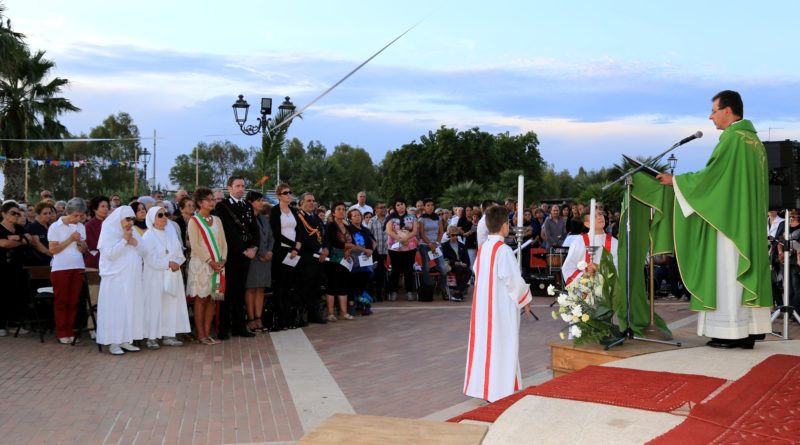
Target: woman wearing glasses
point(14, 241)
point(119, 317)
point(285, 226)
point(165, 312)
point(67, 239)
point(205, 280)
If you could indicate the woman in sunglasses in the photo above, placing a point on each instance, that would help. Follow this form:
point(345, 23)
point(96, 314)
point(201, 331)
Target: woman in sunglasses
point(120, 319)
point(165, 313)
point(285, 225)
point(14, 241)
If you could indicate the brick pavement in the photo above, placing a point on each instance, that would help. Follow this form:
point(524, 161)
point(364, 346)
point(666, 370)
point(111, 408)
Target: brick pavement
point(229, 393)
point(406, 360)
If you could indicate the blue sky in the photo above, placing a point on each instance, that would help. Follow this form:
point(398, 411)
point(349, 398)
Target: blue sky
point(592, 79)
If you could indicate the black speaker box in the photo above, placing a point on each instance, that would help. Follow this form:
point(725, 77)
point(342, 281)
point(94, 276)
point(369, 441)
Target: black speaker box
point(783, 165)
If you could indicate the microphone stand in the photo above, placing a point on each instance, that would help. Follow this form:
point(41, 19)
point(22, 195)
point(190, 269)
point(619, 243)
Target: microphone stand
point(628, 333)
point(786, 309)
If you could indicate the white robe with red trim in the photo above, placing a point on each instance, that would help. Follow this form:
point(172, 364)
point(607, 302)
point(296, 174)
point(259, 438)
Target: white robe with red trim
point(577, 253)
point(493, 370)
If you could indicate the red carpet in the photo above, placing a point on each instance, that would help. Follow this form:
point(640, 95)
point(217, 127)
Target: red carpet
point(762, 407)
point(489, 413)
point(648, 390)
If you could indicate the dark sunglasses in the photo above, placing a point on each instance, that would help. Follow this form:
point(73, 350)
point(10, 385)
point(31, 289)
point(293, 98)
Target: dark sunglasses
point(160, 215)
point(285, 192)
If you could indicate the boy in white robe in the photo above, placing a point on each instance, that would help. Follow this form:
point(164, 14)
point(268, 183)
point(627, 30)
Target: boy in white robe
point(577, 249)
point(493, 370)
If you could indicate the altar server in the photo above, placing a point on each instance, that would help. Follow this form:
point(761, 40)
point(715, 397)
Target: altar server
point(492, 370)
point(577, 249)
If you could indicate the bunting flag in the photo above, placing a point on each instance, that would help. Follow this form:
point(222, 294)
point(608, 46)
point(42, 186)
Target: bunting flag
point(69, 164)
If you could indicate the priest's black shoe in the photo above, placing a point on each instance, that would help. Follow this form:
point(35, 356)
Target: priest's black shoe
point(744, 343)
point(223, 336)
point(244, 333)
point(758, 337)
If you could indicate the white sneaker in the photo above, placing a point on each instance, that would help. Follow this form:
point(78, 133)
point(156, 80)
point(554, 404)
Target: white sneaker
point(411, 296)
point(93, 334)
point(23, 331)
point(129, 347)
point(171, 341)
point(152, 344)
point(65, 340)
point(393, 296)
point(115, 350)
point(3, 333)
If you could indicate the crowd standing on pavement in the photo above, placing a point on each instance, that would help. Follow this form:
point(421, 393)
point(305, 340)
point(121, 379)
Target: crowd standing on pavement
point(210, 265)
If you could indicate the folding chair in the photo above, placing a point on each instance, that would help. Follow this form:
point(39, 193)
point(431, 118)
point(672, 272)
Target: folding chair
point(439, 278)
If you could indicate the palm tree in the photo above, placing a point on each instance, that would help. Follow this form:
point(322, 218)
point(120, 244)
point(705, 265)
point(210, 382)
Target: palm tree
point(30, 109)
point(464, 193)
point(10, 43)
point(274, 140)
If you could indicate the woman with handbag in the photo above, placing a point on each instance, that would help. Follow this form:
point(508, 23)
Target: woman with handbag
point(401, 228)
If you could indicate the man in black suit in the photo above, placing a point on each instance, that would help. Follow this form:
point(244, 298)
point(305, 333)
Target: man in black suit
point(241, 234)
point(312, 255)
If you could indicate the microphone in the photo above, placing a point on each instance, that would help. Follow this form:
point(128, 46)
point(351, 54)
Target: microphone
point(697, 135)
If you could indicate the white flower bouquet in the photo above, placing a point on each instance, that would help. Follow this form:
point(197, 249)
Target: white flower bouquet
point(585, 305)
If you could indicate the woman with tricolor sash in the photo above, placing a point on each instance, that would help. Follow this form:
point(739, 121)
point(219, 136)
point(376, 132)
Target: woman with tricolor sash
point(206, 274)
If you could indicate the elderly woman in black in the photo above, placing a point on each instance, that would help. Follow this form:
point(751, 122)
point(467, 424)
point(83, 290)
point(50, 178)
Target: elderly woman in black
point(14, 242)
point(285, 225)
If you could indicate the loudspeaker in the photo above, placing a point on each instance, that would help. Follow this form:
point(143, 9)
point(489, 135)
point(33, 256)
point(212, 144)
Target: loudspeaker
point(783, 169)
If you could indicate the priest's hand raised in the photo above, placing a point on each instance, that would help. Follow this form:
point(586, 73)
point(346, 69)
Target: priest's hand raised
point(665, 178)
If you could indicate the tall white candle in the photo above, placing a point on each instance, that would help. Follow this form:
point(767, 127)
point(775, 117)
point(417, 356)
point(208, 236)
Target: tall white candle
point(520, 187)
point(592, 217)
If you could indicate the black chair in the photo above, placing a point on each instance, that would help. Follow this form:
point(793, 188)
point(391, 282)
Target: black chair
point(40, 302)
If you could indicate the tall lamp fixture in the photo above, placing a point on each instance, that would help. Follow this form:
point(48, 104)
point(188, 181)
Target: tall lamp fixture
point(145, 156)
point(673, 161)
point(240, 108)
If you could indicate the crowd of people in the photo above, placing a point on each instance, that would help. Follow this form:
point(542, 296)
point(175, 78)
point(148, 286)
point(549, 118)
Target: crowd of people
point(244, 265)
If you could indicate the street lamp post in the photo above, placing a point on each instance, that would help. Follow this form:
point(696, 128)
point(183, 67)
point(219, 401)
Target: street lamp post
point(145, 155)
point(241, 107)
point(272, 132)
point(673, 161)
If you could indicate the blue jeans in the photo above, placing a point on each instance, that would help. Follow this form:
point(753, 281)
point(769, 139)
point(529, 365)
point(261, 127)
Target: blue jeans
point(423, 253)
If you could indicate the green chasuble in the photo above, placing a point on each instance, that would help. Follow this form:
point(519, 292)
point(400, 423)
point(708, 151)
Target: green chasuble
point(729, 195)
point(647, 193)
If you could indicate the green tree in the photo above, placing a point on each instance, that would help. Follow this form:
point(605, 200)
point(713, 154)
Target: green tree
point(217, 162)
point(448, 156)
point(114, 159)
point(352, 170)
point(30, 105)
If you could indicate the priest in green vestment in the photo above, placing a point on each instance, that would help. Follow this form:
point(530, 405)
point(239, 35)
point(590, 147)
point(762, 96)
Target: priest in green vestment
point(720, 236)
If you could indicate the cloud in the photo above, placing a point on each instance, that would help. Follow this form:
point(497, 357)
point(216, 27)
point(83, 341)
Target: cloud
point(585, 112)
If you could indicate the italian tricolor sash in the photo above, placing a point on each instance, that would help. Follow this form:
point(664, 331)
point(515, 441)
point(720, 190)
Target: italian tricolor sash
point(217, 278)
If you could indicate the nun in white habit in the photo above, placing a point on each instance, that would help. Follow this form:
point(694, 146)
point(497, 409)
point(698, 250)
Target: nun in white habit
point(165, 310)
point(119, 317)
